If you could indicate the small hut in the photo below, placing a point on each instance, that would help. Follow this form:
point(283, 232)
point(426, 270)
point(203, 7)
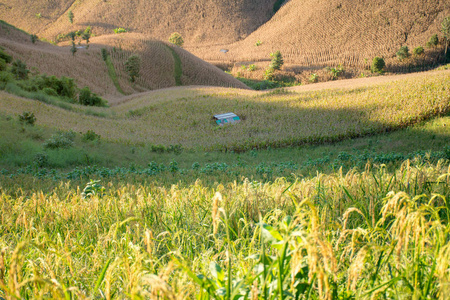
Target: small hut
point(228, 118)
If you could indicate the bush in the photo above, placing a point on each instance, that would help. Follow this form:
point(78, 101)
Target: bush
point(64, 86)
point(33, 38)
point(336, 72)
point(49, 91)
point(5, 77)
point(277, 60)
point(86, 97)
point(269, 74)
point(104, 54)
point(403, 53)
point(27, 118)
point(90, 136)
point(19, 70)
point(62, 140)
point(433, 41)
point(5, 56)
point(418, 51)
point(2, 65)
point(313, 78)
point(378, 65)
point(41, 159)
point(120, 30)
point(133, 66)
point(176, 39)
point(258, 43)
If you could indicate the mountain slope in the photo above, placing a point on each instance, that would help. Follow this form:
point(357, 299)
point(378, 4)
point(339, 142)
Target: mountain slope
point(87, 67)
point(198, 21)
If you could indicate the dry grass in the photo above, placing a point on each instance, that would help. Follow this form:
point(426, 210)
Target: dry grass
point(183, 115)
point(88, 68)
point(197, 21)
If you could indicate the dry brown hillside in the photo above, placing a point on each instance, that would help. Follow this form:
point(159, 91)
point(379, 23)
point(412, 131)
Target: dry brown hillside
point(216, 22)
point(329, 32)
point(88, 68)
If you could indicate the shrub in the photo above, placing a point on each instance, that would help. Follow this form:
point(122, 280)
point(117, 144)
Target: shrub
point(269, 74)
point(313, 78)
point(133, 66)
point(19, 70)
point(120, 30)
point(176, 39)
point(418, 51)
point(33, 38)
point(64, 86)
point(41, 159)
point(336, 72)
point(277, 60)
point(70, 16)
point(73, 49)
point(258, 43)
point(27, 118)
point(433, 41)
point(403, 53)
point(49, 91)
point(61, 140)
point(251, 68)
point(5, 56)
point(90, 135)
point(86, 97)
point(104, 54)
point(5, 77)
point(378, 65)
point(2, 65)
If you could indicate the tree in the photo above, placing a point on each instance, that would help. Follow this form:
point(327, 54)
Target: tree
point(433, 41)
point(403, 53)
point(445, 29)
point(133, 66)
point(277, 61)
point(378, 65)
point(176, 39)
point(73, 49)
point(86, 35)
point(19, 70)
point(70, 15)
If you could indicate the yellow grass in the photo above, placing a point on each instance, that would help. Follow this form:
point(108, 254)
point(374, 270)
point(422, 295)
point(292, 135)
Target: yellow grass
point(184, 115)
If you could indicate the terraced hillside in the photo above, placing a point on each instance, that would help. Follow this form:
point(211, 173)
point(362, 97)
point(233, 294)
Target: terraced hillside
point(313, 33)
point(160, 65)
point(199, 21)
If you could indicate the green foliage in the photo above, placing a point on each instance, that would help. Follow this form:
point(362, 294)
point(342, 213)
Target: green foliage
point(62, 140)
point(336, 72)
point(445, 29)
point(90, 135)
point(258, 43)
point(73, 49)
point(403, 53)
point(104, 54)
point(86, 35)
point(120, 30)
point(269, 74)
point(418, 51)
point(70, 16)
point(433, 41)
point(378, 65)
point(27, 118)
point(3, 65)
point(5, 77)
point(33, 38)
point(5, 56)
point(19, 70)
point(133, 67)
point(277, 61)
point(86, 97)
point(313, 78)
point(176, 39)
point(38, 15)
point(93, 188)
point(63, 87)
point(252, 67)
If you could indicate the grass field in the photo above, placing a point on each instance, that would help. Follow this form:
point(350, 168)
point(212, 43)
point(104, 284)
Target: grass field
point(361, 234)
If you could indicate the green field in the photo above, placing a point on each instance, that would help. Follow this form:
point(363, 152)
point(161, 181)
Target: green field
point(334, 194)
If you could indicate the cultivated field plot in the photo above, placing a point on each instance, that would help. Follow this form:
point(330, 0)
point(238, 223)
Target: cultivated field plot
point(279, 118)
point(337, 236)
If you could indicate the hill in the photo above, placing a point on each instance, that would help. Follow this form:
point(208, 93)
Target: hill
point(318, 33)
point(199, 21)
point(161, 64)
